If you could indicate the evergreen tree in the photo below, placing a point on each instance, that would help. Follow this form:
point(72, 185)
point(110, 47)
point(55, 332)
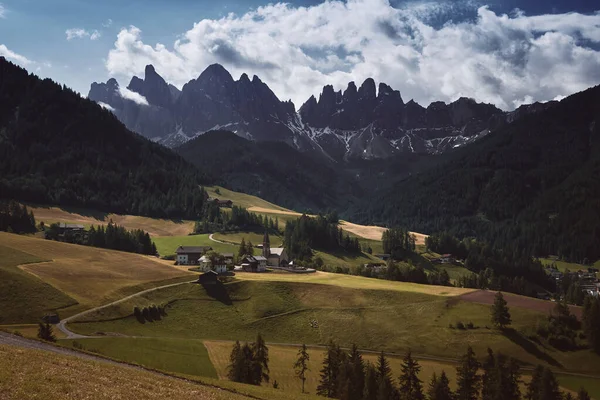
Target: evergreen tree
point(500, 312)
point(467, 380)
point(249, 248)
point(301, 366)
point(242, 249)
point(328, 383)
point(439, 388)
point(371, 385)
point(410, 385)
point(549, 389)
point(583, 395)
point(385, 387)
point(234, 370)
point(357, 373)
point(45, 332)
point(535, 385)
point(260, 352)
point(489, 380)
point(592, 321)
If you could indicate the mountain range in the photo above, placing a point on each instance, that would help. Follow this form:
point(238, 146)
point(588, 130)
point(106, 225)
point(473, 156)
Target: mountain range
point(366, 122)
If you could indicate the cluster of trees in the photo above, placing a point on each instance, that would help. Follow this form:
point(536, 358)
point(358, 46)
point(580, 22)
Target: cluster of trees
point(112, 237)
point(45, 332)
point(591, 322)
point(320, 232)
point(60, 148)
point(398, 242)
point(249, 363)
point(416, 274)
point(493, 268)
point(151, 313)
point(239, 219)
point(15, 218)
point(570, 288)
point(246, 248)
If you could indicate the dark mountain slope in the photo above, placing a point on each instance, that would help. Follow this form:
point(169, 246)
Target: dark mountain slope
point(58, 148)
point(534, 185)
point(272, 170)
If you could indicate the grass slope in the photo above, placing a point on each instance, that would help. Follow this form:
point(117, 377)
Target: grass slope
point(392, 317)
point(241, 199)
point(25, 373)
point(183, 356)
point(24, 297)
point(167, 245)
point(154, 226)
point(91, 276)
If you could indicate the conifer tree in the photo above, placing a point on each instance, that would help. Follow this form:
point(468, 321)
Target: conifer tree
point(45, 332)
point(242, 249)
point(234, 369)
point(500, 312)
point(328, 383)
point(261, 360)
point(467, 380)
point(385, 387)
point(489, 379)
point(411, 387)
point(301, 364)
point(534, 386)
point(371, 386)
point(439, 388)
point(357, 373)
point(583, 395)
point(549, 389)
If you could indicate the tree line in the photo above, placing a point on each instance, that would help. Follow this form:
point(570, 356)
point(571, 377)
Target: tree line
point(239, 219)
point(398, 242)
point(320, 232)
point(112, 237)
point(16, 218)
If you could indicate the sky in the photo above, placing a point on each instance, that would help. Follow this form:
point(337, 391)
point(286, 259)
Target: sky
point(504, 52)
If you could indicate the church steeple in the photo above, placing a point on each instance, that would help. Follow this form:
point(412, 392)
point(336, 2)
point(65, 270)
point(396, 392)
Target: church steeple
point(266, 245)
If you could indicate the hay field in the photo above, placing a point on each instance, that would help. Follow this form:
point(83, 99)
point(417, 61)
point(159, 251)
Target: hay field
point(90, 275)
point(154, 226)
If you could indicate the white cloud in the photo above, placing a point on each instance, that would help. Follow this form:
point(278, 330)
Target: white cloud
point(11, 55)
point(80, 33)
point(106, 106)
point(133, 96)
point(493, 58)
point(2, 11)
point(108, 23)
point(76, 33)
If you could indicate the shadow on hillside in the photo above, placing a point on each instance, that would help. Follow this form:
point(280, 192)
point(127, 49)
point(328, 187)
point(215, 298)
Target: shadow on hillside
point(99, 215)
point(529, 346)
point(218, 292)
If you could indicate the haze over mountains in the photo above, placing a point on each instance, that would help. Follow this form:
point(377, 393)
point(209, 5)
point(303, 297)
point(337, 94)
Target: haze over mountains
point(360, 122)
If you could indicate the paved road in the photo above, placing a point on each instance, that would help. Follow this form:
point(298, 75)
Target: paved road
point(62, 325)
point(218, 241)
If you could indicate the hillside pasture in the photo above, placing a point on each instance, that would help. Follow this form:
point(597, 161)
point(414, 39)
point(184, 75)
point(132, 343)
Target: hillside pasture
point(154, 226)
point(89, 275)
point(242, 199)
point(254, 237)
point(24, 297)
point(515, 300)
point(167, 245)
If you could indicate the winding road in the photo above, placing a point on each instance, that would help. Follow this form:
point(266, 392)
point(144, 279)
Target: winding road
point(62, 325)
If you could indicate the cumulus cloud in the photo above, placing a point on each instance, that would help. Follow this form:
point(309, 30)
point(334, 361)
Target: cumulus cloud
point(133, 96)
point(500, 59)
point(80, 33)
point(11, 55)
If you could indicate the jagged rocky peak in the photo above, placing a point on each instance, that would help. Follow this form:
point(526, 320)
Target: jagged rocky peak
point(367, 89)
point(153, 87)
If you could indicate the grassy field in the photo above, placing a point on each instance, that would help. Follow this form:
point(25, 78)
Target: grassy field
point(25, 373)
point(255, 238)
point(395, 319)
point(28, 330)
point(167, 245)
point(563, 265)
point(154, 226)
point(24, 297)
point(183, 356)
point(91, 276)
point(241, 199)
point(344, 260)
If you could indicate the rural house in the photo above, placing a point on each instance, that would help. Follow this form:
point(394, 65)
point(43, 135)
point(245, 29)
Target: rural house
point(206, 265)
point(221, 203)
point(189, 255)
point(276, 257)
point(254, 263)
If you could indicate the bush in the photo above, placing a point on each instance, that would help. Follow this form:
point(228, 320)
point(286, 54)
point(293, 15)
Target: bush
point(470, 325)
point(450, 326)
point(460, 325)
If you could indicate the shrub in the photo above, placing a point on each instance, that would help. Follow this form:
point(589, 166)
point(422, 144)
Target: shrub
point(460, 325)
point(470, 325)
point(450, 326)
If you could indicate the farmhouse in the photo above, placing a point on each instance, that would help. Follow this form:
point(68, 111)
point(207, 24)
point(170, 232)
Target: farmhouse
point(208, 278)
point(276, 257)
point(188, 255)
point(63, 228)
point(228, 258)
point(254, 263)
point(206, 265)
point(446, 259)
point(221, 203)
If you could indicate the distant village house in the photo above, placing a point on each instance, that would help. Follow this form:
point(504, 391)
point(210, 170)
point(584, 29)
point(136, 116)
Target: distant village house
point(190, 255)
point(253, 263)
point(206, 265)
point(221, 203)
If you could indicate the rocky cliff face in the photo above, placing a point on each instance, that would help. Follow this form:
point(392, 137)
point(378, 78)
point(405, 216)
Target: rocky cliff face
point(364, 122)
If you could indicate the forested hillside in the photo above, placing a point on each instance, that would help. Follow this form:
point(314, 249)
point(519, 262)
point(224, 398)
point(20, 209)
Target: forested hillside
point(533, 187)
point(271, 170)
point(59, 148)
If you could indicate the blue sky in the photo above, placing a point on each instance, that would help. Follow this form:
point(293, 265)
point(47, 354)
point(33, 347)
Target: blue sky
point(298, 48)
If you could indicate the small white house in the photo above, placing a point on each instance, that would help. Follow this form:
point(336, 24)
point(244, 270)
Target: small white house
point(206, 265)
